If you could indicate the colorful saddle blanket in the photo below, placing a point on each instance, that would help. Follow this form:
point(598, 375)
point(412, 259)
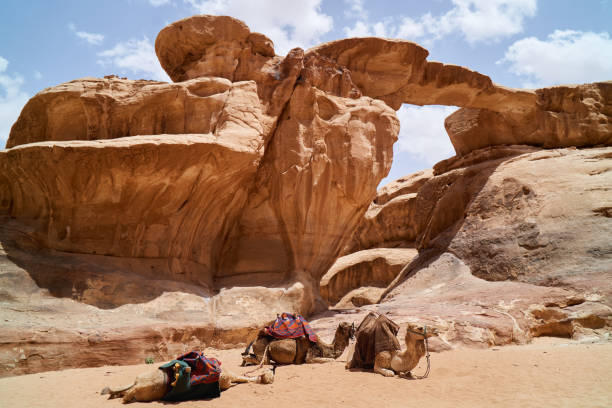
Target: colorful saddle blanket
point(198, 377)
point(289, 326)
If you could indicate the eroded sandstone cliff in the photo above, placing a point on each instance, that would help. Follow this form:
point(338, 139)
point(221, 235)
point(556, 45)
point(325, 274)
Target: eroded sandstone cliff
point(189, 213)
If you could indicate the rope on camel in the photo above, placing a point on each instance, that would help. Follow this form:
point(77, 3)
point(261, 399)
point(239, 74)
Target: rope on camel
point(261, 364)
point(424, 334)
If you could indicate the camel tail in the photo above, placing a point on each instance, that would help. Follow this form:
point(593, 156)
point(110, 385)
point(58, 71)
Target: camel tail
point(114, 391)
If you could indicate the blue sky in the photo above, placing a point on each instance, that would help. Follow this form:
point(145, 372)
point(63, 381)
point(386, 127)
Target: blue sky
point(518, 43)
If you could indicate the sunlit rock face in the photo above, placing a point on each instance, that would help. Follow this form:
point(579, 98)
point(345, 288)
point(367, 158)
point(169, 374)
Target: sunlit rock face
point(196, 210)
point(562, 116)
point(513, 243)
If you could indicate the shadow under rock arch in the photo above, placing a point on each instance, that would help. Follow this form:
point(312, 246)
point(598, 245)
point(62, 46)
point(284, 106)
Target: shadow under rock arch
point(105, 282)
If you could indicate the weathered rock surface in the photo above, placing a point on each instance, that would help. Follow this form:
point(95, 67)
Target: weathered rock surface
point(538, 217)
point(139, 197)
point(325, 160)
point(513, 244)
point(469, 311)
point(369, 268)
point(390, 219)
point(57, 310)
point(397, 72)
point(562, 116)
point(93, 109)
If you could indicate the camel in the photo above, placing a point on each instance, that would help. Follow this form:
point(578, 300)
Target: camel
point(299, 350)
point(389, 363)
point(153, 385)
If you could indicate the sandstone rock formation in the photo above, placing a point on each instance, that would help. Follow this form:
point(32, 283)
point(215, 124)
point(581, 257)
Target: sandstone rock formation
point(562, 116)
point(513, 244)
point(537, 217)
point(390, 220)
point(372, 268)
point(193, 212)
point(397, 72)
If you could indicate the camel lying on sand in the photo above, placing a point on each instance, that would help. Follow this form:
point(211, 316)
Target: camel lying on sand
point(389, 363)
point(153, 385)
point(377, 346)
point(299, 350)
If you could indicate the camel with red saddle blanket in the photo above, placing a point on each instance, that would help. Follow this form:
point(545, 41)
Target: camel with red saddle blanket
point(290, 340)
point(191, 376)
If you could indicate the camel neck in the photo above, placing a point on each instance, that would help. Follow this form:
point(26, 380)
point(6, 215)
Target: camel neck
point(340, 343)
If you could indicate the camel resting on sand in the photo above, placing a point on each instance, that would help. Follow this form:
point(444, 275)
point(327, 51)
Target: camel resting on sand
point(299, 350)
point(153, 385)
point(377, 346)
point(389, 363)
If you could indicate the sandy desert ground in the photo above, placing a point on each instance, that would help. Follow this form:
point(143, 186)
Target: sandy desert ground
point(546, 373)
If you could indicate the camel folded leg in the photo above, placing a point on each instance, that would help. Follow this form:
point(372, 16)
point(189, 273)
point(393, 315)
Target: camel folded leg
point(381, 361)
point(318, 360)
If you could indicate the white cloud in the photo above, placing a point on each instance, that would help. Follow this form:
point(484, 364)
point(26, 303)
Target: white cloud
point(91, 38)
point(407, 28)
point(158, 3)
point(288, 24)
point(564, 57)
point(422, 132)
point(355, 9)
point(12, 99)
point(136, 57)
point(476, 20)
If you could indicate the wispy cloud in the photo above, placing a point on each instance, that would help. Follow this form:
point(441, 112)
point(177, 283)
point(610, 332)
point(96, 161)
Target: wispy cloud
point(565, 56)
point(12, 100)
point(158, 3)
point(134, 57)
point(475, 20)
point(91, 38)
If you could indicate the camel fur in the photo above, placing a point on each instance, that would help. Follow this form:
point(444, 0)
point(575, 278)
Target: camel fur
point(390, 363)
point(152, 385)
point(298, 351)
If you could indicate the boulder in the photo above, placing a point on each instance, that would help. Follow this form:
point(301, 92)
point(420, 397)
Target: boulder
point(369, 268)
point(390, 219)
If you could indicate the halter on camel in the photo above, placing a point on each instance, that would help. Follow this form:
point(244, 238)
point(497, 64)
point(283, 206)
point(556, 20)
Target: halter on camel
point(424, 334)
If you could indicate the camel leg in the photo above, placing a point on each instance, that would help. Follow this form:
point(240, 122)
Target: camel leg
point(227, 379)
point(116, 392)
point(318, 360)
point(129, 395)
point(383, 360)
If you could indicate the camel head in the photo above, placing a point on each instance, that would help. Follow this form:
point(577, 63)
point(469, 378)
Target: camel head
point(419, 332)
point(346, 330)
